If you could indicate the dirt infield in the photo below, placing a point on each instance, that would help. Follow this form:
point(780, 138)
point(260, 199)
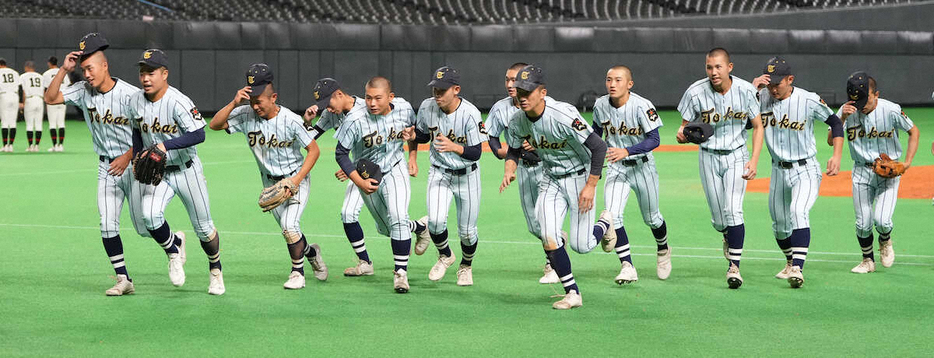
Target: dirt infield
point(915, 184)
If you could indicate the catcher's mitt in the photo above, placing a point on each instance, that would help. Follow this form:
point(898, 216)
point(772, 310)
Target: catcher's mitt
point(149, 166)
point(276, 194)
point(369, 170)
point(886, 167)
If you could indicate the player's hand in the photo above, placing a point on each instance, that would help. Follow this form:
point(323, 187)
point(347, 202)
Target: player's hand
point(761, 81)
point(21, 105)
point(833, 166)
point(527, 146)
point(71, 60)
point(680, 136)
point(340, 175)
point(750, 170)
point(408, 133)
point(508, 178)
point(310, 113)
point(848, 109)
point(242, 95)
point(444, 144)
point(161, 147)
point(585, 200)
point(296, 181)
point(119, 164)
point(614, 155)
point(413, 168)
point(369, 186)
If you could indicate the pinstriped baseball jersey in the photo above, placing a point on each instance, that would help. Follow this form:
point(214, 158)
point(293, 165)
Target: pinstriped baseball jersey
point(558, 136)
point(378, 138)
point(9, 81)
point(500, 114)
point(32, 84)
point(276, 143)
point(104, 114)
point(727, 113)
point(171, 116)
point(49, 74)
point(330, 120)
point(789, 123)
point(876, 133)
point(464, 127)
point(626, 126)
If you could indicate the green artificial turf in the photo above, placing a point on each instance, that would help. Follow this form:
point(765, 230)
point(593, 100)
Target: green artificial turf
point(54, 273)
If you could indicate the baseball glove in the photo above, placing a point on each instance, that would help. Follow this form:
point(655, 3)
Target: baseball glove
point(886, 167)
point(276, 194)
point(149, 166)
point(369, 170)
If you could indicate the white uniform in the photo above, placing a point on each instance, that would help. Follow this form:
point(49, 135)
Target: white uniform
point(112, 137)
point(870, 135)
point(31, 82)
point(9, 97)
point(353, 201)
point(55, 112)
point(724, 155)
point(450, 174)
point(379, 139)
point(276, 144)
point(170, 117)
point(624, 127)
point(796, 174)
point(558, 136)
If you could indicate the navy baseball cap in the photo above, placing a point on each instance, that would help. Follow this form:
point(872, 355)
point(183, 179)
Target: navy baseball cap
point(258, 76)
point(777, 68)
point(857, 89)
point(698, 132)
point(92, 43)
point(530, 77)
point(323, 90)
point(445, 77)
point(154, 58)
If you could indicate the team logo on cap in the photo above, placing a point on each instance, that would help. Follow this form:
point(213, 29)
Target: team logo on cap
point(439, 75)
point(317, 97)
point(365, 175)
point(525, 75)
point(147, 54)
point(854, 97)
point(249, 79)
point(81, 45)
point(771, 68)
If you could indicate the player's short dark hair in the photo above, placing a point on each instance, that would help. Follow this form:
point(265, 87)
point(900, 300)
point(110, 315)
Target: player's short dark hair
point(53, 60)
point(719, 51)
point(2, 62)
point(872, 84)
point(378, 82)
point(623, 68)
point(518, 66)
point(30, 64)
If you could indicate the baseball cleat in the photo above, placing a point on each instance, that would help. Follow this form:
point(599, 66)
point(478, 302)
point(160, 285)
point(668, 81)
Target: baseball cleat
point(400, 281)
point(886, 253)
point(423, 238)
point(608, 241)
point(181, 247)
point(795, 277)
point(52, 148)
point(296, 281)
point(176, 269)
point(733, 278)
point(663, 263)
point(549, 275)
point(216, 286)
point(317, 264)
point(571, 299)
point(783, 274)
point(465, 276)
point(627, 274)
point(362, 268)
point(123, 287)
point(60, 148)
point(866, 266)
point(441, 267)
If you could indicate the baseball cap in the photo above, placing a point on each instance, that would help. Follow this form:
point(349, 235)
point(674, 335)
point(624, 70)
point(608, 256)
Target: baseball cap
point(154, 58)
point(777, 68)
point(323, 90)
point(258, 76)
point(857, 89)
point(530, 77)
point(445, 77)
point(92, 43)
point(698, 132)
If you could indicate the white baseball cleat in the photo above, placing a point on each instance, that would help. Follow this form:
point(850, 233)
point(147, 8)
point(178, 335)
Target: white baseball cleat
point(362, 268)
point(123, 287)
point(181, 247)
point(441, 267)
point(886, 253)
point(571, 299)
point(400, 281)
point(783, 274)
point(795, 277)
point(60, 148)
point(608, 241)
point(176, 270)
point(318, 267)
point(465, 276)
point(663, 263)
point(216, 286)
point(733, 278)
point(296, 281)
point(423, 238)
point(866, 266)
point(52, 148)
point(627, 274)
point(549, 275)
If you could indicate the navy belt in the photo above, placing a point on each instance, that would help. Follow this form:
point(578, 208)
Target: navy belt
point(634, 162)
point(789, 165)
point(105, 159)
point(460, 171)
point(719, 151)
point(172, 168)
point(278, 178)
point(566, 175)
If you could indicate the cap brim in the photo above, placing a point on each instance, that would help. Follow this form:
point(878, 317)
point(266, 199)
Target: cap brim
point(150, 64)
point(323, 103)
point(527, 85)
point(440, 84)
point(775, 79)
point(860, 103)
point(257, 90)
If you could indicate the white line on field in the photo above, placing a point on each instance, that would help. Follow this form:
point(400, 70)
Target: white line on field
point(95, 169)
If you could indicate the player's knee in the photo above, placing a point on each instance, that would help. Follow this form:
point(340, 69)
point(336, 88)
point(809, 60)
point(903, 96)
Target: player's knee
point(291, 236)
point(883, 227)
point(153, 222)
point(350, 216)
point(204, 231)
point(863, 232)
point(468, 236)
point(437, 226)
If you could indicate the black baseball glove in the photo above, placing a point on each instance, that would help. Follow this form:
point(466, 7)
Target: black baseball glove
point(149, 166)
point(369, 170)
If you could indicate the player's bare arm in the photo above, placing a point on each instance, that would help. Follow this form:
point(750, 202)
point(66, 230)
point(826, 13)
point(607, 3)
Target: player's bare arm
point(219, 122)
point(614, 155)
point(444, 144)
point(585, 200)
point(53, 94)
point(368, 186)
point(680, 136)
point(761, 81)
point(509, 171)
point(311, 157)
point(340, 175)
point(758, 135)
point(119, 164)
point(914, 137)
point(413, 158)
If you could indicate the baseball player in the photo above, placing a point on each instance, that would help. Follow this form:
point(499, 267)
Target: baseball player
point(529, 171)
point(276, 136)
point(456, 131)
point(788, 114)
point(340, 106)
point(569, 150)
point(728, 104)
point(378, 137)
point(9, 104)
point(99, 99)
point(31, 82)
point(872, 124)
point(630, 123)
point(165, 118)
point(55, 112)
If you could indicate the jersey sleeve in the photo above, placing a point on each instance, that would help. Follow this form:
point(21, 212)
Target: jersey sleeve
point(327, 121)
point(764, 99)
point(128, 103)
point(74, 94)
point(751, 101)
point(579, 129)
point(237, 118)
point(515, 133)
point(422, 118)
point(686, 107)
point(187, 116)
point(347, 134)
point(495, 123)
point(901, 120)
point(300, 133)
point(476, 130)
point(817, 109)
point(648, 117)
